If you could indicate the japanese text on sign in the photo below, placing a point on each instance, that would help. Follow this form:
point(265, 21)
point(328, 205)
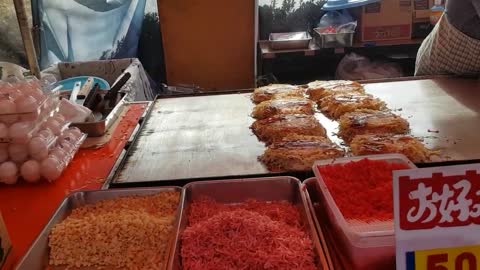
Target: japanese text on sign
point(428, 203)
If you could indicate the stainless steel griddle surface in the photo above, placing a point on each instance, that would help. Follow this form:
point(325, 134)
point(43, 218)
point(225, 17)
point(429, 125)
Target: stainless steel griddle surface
point(209, 136)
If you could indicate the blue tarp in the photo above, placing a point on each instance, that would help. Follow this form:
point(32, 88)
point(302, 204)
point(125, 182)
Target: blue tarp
point(84, 30)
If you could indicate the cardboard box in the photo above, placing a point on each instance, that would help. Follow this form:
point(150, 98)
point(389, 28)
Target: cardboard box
point(5, 244)
point(386, 20)
point(421, 26)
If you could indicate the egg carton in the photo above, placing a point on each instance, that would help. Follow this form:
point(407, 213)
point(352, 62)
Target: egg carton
point(17, 105)
point(23, 131)
point(41, 160)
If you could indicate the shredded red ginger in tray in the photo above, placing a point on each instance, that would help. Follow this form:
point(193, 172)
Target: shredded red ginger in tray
point(253, 235)
point(362, 189)
point(279, 211)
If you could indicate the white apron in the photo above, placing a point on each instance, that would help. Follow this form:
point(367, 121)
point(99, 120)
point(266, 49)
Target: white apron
point(447, 51)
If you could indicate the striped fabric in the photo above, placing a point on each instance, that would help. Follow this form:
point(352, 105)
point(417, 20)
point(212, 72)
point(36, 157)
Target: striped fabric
point(447, 51)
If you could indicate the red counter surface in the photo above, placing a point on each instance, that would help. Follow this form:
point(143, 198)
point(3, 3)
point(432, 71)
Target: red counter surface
point(26, 208)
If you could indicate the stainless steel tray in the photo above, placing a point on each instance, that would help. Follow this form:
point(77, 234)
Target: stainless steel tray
point(239, 190)
point(290, 40)
point(36, 257)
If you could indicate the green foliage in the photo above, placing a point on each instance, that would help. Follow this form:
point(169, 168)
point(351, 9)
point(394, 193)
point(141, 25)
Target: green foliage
point(292, 15)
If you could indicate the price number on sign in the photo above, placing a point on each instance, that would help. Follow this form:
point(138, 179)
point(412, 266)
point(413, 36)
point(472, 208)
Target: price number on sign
point(465, 258)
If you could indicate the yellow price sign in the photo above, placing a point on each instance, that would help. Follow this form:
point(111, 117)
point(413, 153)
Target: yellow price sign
point(463, 258)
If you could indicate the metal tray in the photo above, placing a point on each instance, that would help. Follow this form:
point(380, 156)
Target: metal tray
point(237, 191)
point(289, 41)
point(37, 255)
point(99, 127)
point(334, 40)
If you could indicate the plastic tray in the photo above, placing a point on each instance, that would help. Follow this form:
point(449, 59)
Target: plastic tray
point(369, 245)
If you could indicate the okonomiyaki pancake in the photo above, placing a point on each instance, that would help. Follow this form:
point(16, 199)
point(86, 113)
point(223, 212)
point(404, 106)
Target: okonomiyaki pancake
point(299, 152)
point(273, 107)
point(281, 90)
point(370, 122)
point(337, 105)
point(275, 128)
point(319, 89)
point(407, 145)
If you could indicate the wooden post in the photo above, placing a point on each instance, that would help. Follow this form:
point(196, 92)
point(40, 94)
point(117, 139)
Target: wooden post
point(27, 37)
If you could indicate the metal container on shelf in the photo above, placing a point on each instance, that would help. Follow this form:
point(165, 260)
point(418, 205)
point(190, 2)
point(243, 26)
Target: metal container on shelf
point(333, 40)
point(289, 41)
point(367, 245)
point(37, 256)
point(282, 188)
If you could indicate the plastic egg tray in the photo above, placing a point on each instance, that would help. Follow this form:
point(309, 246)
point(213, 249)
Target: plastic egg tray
point(45, 156)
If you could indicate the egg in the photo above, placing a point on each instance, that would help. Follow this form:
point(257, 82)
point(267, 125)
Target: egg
point(3, 132)
point(26, 104)
point(21, 132)
point(59, 117)
point(54, 126)
point(51, 169)
point(30, 171)
point(7, 111)
point(38, 148)
point(47, 134)
point(37, 94)
point(75, 132)
point(29, 117)
point(67, 147)
point(8, 173)
point(18, 152)
point(3, 154)
point(59, 154)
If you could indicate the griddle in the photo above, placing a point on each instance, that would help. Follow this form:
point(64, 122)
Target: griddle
point(208, 137)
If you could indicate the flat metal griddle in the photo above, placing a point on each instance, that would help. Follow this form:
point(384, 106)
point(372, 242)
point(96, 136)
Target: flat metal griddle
point(194, 137)
point(208, 137)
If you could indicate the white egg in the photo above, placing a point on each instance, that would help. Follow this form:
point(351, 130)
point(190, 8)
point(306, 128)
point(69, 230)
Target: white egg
point(8, 173)
point(75, 132)
point(30, 171)
point(37, 94)
point(26, 104)
point(3, 154)
point(54, 126)
point(29, 117)
point(21, 132)
point(3, 131)
point(7, 111)
point(51, 169)
point(16, 95)
point(59, 117)
point(18, 152)
point(38, 148)
point(67, 147)
point(58, 153)
point(47, 134)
